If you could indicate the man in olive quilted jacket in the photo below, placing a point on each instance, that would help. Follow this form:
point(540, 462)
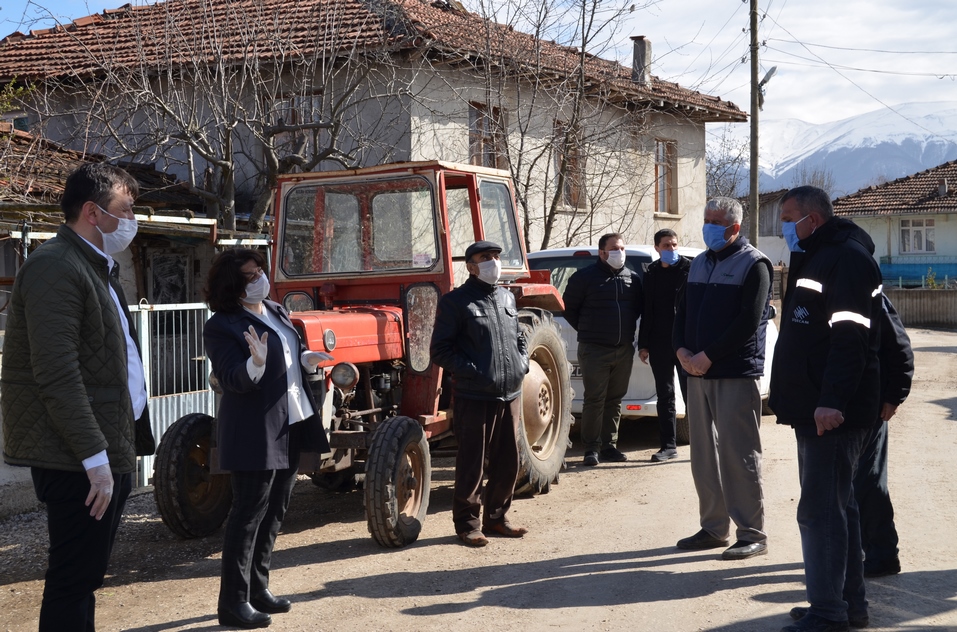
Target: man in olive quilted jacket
point(72, 387)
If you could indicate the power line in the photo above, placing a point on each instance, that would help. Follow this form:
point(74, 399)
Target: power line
point(819, 64)
point(864, 50)
point(856, 85)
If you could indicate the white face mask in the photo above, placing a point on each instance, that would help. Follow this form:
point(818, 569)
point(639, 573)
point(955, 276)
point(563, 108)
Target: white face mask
point(490, 271)
point(120, 239)
point(616, 259)
point(257, 291)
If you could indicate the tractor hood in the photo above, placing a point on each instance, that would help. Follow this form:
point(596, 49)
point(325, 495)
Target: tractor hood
point(355, 334)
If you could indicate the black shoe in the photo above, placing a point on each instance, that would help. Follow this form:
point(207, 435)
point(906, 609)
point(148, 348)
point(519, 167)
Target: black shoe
point(701, 540)
point(243, 615)
point(613, 455)
point(882, 568)
point(666, 454)
point(814, 623)
point(591, 458)
point(854, 620)
point(265, 601)
point(742, 550)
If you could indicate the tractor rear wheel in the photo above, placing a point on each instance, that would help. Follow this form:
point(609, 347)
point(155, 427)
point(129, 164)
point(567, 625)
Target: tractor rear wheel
point(398, 482)
point(192, 502)
point(546, 404)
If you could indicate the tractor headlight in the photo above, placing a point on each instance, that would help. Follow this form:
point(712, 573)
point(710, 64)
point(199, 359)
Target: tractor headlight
point(345, 376)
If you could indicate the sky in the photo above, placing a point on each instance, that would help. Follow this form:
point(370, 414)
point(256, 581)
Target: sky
point(834, 58)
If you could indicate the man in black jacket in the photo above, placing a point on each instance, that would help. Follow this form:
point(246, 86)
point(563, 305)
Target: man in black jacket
point(825, 383)
point(662, 281)
point(477, 338)
point(603, 303)
point(878, 533)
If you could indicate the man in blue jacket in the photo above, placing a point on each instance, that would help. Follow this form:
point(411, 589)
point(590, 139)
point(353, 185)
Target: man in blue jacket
point(603, 303)
point(478, 339)
point(825, 383)
point(719, 338)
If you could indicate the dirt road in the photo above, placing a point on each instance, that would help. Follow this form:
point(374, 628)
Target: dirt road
point(600, 555)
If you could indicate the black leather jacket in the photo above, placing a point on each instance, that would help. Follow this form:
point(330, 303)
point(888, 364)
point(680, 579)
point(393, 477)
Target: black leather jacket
point(603, 305)
point(477, 338)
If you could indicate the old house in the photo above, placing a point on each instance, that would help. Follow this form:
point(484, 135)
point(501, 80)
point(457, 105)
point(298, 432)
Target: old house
point(913, 222)
point(225, 94)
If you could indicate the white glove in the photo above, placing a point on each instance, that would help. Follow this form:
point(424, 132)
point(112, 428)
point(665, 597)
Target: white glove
point(257, 346)
point(313, 358)
point(101, 489)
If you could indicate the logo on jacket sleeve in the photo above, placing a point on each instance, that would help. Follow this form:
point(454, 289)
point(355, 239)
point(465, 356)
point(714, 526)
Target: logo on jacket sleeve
point(800, 315)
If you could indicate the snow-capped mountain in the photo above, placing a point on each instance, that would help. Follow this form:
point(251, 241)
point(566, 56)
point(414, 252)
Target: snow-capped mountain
point(859, 151)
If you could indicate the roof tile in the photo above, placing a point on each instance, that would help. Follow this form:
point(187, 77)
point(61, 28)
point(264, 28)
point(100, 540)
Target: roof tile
point(933, 191)
point(173, 32)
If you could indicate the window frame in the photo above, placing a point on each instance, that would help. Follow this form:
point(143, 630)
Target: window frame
point(908, 231)
point(665, 184)
point(573, 187)
point(487, 127)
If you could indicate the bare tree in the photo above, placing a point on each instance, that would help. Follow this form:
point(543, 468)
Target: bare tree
point(820, 177)
point(230, 95)
point(570, 147)
point(726, 164)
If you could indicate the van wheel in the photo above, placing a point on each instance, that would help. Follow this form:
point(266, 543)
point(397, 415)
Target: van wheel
point(546, 404)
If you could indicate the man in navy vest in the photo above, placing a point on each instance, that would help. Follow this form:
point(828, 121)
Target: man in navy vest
point(719, 338)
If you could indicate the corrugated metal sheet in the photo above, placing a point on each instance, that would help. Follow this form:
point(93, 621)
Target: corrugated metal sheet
point(925, 308)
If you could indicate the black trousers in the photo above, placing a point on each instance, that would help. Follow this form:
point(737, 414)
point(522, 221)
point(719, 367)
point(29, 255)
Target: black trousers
point(485, 430)
point(80, 546)
point(260, 500)
point(663, 362)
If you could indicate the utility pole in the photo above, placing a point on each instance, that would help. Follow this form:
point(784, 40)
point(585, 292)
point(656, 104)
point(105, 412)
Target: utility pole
point(753, 209)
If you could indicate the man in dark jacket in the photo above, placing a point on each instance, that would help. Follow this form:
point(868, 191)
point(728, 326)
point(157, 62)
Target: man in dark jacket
point(719, 338)
point(603, 303)
point(662, 281)
point(878, 533)
point(72, 387)
point(825, 383)
point(477, 338)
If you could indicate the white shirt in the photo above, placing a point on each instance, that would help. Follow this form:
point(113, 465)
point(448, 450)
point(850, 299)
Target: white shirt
point(299, 405)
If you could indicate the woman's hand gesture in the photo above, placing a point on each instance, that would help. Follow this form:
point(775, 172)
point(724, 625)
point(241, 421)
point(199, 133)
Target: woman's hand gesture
point(257, 345)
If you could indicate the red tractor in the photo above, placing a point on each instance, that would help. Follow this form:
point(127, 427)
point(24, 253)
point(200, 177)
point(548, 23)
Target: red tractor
point(361, 259)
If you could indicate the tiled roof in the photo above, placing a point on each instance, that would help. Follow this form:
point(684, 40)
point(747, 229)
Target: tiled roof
point(135, 35)
point(933, 191)
point(35, 170)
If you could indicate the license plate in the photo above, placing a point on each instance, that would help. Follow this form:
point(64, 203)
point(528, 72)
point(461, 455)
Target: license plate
point(576, 371)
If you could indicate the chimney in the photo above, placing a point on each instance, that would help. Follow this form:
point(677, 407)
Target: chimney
point(641, 66)
point(942, 187)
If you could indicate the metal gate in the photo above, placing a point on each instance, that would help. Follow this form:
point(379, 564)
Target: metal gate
point(176, 368)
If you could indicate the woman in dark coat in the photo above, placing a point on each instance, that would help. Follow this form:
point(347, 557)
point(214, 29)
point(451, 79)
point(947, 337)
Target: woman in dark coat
point(267, 414)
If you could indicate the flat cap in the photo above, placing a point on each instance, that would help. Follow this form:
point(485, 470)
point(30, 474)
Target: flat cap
point(481, 246)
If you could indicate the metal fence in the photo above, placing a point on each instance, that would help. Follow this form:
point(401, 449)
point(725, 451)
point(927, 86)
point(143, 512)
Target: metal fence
point(176, 367)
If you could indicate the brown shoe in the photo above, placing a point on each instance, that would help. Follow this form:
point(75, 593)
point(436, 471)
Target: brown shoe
point(505, 530)
point(474, 539)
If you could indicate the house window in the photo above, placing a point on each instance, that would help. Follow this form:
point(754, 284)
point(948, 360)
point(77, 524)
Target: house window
point(665, 167)
point(917, 236)
point(486, 136)
point(570, 162)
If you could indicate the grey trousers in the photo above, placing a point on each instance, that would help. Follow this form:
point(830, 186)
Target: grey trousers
point(605, 375)
point(724, 417)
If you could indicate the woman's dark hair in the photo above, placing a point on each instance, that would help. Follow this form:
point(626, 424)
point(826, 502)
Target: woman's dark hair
point(226, 282)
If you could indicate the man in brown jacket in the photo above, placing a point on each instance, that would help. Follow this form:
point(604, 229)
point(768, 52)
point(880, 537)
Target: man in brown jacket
point(72, 386)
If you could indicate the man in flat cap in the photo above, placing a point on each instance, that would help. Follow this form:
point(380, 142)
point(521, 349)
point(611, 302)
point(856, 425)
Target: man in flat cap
point(478, 340)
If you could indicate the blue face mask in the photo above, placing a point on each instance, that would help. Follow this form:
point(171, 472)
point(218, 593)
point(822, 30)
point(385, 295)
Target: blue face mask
point(714, 236)
point(789, 230)
point(669, 256)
